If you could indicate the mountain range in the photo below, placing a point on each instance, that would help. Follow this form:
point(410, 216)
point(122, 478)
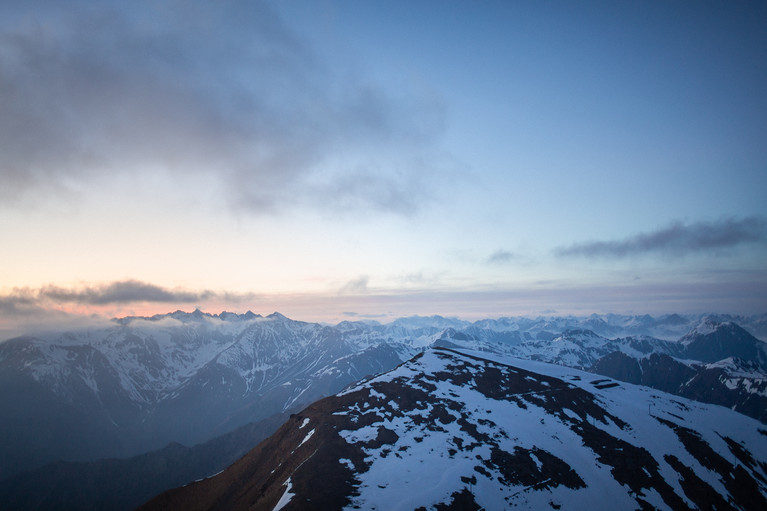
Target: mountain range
point(189, 378)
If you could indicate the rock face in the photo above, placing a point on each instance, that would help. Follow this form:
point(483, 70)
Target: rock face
point(712, 341)
point(720, 364)
point(657, 371)
point(467, 430)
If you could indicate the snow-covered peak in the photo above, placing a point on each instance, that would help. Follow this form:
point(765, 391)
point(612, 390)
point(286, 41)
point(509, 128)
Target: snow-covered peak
point(706, 326)
point(467, 430)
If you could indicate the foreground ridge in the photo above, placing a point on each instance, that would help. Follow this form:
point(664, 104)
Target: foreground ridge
point(455, 429)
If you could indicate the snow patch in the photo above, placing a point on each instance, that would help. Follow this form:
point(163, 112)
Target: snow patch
point(307, 437)
point(285, 496)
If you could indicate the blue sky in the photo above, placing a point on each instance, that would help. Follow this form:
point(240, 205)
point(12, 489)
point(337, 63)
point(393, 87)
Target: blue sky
point(324, 158)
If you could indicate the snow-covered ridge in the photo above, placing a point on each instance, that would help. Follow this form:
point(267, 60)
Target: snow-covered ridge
point(633, 416)
point(461, 429)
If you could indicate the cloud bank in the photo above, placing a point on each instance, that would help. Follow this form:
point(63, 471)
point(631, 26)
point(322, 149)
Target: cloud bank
point(26, 300)
point(678, 239)
point(128, 291)
point(219, 90)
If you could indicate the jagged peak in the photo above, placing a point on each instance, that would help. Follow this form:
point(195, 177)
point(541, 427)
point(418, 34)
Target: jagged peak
point(577, 332)
point(196, 314)
point(708, 325)
point(233, 316)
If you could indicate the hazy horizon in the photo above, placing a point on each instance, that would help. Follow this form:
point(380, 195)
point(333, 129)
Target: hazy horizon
point(57, 322)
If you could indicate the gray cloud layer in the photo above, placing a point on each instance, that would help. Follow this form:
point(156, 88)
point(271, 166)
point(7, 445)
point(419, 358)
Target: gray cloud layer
point(27, 300)
point(128, 291)
point(677, 239)
point(222, 90)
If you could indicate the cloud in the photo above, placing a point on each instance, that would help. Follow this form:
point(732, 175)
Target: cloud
point(365, 316)
point(356, 286)
point(223, 90)
point(365, 189)
point(677, 239)
point(500, 257)
point(128, 291)
point(22, 300)
point(25, 310)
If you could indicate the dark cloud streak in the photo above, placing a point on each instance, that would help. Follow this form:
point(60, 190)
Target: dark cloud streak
point(23, 300)
point(128, 291)
point(678, 239)
point(20, 302)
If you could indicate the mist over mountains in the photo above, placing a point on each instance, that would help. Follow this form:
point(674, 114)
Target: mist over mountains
point(156, 386)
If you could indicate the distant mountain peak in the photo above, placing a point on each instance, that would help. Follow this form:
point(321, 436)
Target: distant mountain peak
point(709, 324)
point(195, 315)
point(712, 340)
point(233, 316)
point(714, 325)
point(673, 319)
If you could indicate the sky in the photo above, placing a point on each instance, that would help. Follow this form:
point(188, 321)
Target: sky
point(334, 159)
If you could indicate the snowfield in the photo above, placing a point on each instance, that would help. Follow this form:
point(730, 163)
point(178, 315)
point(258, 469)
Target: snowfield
point(429, 460)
